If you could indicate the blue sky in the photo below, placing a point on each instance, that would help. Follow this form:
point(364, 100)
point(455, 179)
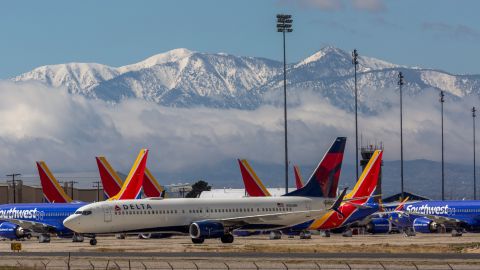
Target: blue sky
point(438, 34)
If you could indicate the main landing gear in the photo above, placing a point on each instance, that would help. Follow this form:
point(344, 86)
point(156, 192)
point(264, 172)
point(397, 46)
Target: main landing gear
point(93, 241)
point(227, 238)
point(77, 238)
point(44, 238)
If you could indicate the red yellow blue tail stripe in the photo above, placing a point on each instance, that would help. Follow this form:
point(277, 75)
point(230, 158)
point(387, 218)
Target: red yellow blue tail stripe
point(111, 182)
point(133, 184)
point(253, 184)
point(298, 177)
point(52, 190)
point(151, 187)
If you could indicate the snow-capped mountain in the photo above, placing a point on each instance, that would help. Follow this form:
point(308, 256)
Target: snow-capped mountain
point(186, 78)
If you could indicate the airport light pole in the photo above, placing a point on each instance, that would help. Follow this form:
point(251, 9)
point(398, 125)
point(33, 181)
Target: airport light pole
point(400, 84)
point(14, 184)
point(474, 157)
point(442, 100)
point(355, 64)
point(284, 25)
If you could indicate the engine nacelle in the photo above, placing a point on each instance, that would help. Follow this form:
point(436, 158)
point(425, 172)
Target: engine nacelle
point(379, 225)
point(206, 229)
point(11, 231)
point(424, 225)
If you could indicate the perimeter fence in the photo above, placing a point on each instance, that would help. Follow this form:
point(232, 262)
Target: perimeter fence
point(200, 264)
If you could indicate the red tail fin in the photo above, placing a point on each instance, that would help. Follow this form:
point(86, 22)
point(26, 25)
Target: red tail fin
point(253, 185)
point(366, 184)
point(52, 190)
point(111, 182)
point(298, 177)
point(133, 184)
point(151, 187)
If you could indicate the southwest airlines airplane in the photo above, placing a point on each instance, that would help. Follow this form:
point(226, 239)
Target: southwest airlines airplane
point(356, 206)
point(45, 219)
point(202, 218)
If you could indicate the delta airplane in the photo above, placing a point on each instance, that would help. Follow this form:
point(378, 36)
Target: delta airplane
point(45, 219)
point(112, 183)
point(356, 206)
point(428, 216)
point(205, 218)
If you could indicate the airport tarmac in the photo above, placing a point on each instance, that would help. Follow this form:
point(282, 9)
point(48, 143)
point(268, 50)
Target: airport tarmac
point(392, 243)
point(378, 251)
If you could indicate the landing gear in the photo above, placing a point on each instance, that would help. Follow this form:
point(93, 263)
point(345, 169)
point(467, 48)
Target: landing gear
point(325, 233)
point(44, 238)
point(305, 235)
point(93, 242)
point(77, 238)
point(457, 232)
point(408, 232)
point(198, 240)
point(274, 235)
point(347, 233)
point(227, 238)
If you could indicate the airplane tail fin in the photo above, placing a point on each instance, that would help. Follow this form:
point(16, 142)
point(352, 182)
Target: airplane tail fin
point(298, 177)
point(111, 182)
point(52, 190)
point(367, 183)
point(324, 180)
point(132, 186)
point(151, 187)
point(253, 184)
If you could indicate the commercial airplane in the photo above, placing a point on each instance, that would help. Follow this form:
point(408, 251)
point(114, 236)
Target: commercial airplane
point(112, 183)
point(45, 219)
point(52, 191)
point(205, 218)
point(428, 216)
point(356, 206)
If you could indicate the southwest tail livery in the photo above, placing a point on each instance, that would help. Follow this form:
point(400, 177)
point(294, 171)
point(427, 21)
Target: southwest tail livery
point(355, 206)
point(132, 187)
point(52, 190)
point(253, 185)
point(111, 182)
point(298, 177)
point(151, 187)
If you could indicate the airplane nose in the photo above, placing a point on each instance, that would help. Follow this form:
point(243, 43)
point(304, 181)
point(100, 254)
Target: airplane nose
point(72, 223)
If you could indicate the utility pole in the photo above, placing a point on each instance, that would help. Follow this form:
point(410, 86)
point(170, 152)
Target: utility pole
point(400, 84)
point(14, 184)
point(442, 100)
point(474, 157)
point(355, 64)
point(96, 184)
point(71, 186)
point(284, 25)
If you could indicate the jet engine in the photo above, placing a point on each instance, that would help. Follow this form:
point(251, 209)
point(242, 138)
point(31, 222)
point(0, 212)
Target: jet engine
point(206, 229)
point(379, 225)
point(424, 225)
point(12, 231)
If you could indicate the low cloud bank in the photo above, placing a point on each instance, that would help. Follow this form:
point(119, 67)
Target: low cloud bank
point(67, 131)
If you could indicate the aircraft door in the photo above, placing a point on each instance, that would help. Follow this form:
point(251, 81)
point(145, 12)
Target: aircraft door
point(107, 212)
point(308, 206)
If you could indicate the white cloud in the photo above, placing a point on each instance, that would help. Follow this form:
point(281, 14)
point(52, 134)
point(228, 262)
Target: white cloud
point(67, 131)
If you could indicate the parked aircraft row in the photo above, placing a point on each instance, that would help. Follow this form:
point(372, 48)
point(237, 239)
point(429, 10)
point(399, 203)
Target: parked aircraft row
point(313, 206)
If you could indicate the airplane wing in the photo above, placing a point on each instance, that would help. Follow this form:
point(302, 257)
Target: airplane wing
point(33, 226)
point(239, 222)
point(444, 220)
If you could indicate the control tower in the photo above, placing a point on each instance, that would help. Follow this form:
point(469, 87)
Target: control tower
point(367, 152)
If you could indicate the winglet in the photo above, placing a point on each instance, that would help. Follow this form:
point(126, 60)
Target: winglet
point(133, 184)
point(151, 187)
point(298, 177)
point(336, 205)
point(253, 184)
point(52, 190)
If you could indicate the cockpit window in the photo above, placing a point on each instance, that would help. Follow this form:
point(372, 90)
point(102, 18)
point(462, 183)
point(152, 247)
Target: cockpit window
point(85, 213)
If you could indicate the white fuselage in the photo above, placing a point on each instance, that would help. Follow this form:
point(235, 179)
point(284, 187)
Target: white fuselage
point(176, 215)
